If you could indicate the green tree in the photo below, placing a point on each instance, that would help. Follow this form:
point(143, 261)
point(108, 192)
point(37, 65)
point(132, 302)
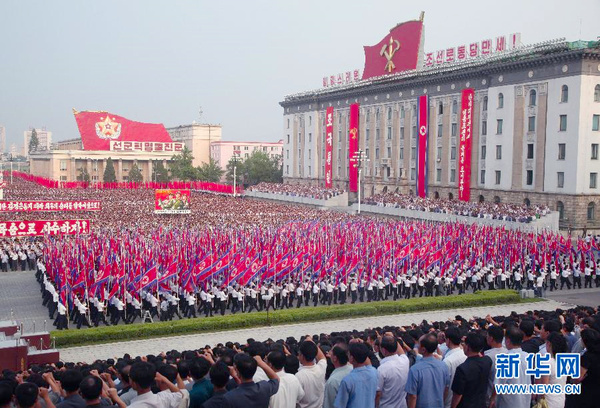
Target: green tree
point(135, 175)
point(33, 141)
point(181, 166)
point(260, 167)
point(159, 173)
point(83, 175)
point(210, 171)
point(239, 172)
point(109, 172)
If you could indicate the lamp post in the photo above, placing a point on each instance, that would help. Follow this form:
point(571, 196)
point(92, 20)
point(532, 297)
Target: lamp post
point(235, 157)
point(359, 158)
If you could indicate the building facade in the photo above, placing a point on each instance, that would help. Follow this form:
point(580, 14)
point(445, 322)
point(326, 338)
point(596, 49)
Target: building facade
point(536, 130)
point(2, 139)
point(223, 151)
point(44, 140)
point(197, 137)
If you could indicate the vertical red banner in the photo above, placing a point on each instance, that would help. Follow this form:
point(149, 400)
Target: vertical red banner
point(328, 147)
point(353, 148)
point(422, 139)
point(464, 149)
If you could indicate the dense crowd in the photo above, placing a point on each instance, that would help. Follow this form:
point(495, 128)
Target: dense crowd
point(495, 211)
point(454, 363)
point(297, 190)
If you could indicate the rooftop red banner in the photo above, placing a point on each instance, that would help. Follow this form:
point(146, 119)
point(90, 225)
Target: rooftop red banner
point(353, 148)
point(33, 206)
point(98, 129)
point(396, 52)
point(44, 227)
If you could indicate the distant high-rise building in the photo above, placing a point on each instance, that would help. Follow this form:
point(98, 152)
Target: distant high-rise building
point(2, 139)
point(13, 149)
point(44, 139)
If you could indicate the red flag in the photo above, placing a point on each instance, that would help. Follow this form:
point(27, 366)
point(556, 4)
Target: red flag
point(97, 129)
point(398, 51)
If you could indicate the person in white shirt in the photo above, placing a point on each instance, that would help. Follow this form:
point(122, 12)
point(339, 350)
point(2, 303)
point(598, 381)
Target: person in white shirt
point(142, 375)
point(454, 357)
point(290, 391)
point(311, 375)
point(392, 374)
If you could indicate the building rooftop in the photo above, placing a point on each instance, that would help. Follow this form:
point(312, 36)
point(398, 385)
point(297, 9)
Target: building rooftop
point(539, 53)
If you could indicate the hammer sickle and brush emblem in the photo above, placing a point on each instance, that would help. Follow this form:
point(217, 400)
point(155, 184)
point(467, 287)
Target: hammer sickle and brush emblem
point(388, 51)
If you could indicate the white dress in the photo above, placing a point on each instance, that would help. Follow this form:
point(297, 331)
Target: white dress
point(555, 400)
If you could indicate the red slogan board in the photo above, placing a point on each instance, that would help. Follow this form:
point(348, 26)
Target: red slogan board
point(464, 152)
point(44, 227)
point(328, 147)
point(170, 201)
point(35, 206)
point(353, 147)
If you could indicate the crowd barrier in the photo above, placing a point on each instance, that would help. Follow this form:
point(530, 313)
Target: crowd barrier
point(548, 222)
point(340, 200)
point(192, 185)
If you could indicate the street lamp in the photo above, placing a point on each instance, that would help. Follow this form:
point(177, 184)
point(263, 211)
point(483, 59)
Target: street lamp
point(235, 157)
point(359, 158)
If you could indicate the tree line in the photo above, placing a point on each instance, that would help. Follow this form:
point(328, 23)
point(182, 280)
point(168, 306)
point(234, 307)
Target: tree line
point(256, 168)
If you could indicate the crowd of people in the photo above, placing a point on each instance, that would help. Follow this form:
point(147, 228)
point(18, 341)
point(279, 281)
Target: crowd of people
point(297, 190)
point(240, 255)
point(454, 363)
point(495, 211)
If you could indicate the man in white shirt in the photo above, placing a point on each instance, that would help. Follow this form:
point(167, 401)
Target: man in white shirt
point(310, 375)
point(453, 357)
point(290, 391)
point(392, 374)
point(142, 375)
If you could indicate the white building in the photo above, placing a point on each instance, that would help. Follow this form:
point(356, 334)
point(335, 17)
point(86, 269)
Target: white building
point(198, 138)
point(536, 130)
point(222, 151)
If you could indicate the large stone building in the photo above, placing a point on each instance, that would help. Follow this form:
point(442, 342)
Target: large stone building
point(536, 130)
point(223, 151)
point(198, 137)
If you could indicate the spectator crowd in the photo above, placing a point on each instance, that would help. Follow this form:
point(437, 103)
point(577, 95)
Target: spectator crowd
point(495, 211)
point(454, 363)
point(297, 190)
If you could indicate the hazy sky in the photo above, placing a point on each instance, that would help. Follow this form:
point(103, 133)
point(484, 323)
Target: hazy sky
point(159, 61)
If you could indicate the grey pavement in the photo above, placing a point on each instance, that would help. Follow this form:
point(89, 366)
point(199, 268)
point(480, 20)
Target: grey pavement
point(582, 297)
point(21, 300)
point(188, 342)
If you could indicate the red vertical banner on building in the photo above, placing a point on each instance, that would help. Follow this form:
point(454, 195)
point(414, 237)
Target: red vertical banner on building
point(464, 149)
point(353, 148)
point(328, 147)
point(422, 139)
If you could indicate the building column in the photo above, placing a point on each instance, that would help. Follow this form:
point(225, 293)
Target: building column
point(120, 170)
point(150, 164)
point(88, 166)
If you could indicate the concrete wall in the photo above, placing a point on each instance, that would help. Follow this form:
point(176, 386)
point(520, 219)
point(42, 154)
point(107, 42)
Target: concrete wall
point(549, 222)
point(337, 201)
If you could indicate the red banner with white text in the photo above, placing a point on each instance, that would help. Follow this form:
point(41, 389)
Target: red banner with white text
point(44, 227)
point(464, 152)
point(353, 148)
point(328, 147)
point(422, 140)
point(34, 206)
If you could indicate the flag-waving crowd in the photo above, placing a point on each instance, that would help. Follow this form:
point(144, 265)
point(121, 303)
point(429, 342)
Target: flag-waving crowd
point(241, 255)
point(454, 363)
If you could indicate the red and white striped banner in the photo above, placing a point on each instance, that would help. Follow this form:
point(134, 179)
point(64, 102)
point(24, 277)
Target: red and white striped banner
point(464, 152)
point(328, 147)
point(44, 227)
point(39, 206)
point(422, 139)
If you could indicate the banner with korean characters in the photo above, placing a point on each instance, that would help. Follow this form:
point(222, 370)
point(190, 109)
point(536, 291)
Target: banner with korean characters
point(44, 227)
point(39, 206)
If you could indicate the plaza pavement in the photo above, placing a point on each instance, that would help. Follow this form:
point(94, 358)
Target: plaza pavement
point(188, 342)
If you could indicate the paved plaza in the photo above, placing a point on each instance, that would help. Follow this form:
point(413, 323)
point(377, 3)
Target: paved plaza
point(188, 342)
